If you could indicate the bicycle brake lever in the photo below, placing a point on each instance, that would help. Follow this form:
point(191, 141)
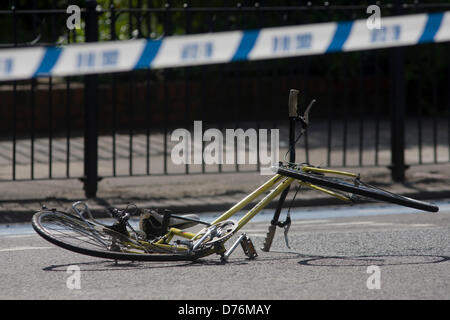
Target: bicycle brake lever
point(286, 225)
point(305, 118)
point(286, 230)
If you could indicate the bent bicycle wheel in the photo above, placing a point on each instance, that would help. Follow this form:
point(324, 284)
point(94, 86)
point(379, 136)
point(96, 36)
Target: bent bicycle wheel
point(357, 188)
point(72, 233)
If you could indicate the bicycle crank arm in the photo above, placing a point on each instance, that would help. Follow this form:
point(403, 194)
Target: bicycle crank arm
point(203, 238)
point(247, 246)
point(232, 248)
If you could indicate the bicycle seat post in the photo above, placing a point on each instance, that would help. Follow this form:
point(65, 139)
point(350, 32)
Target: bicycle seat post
point(293, 114)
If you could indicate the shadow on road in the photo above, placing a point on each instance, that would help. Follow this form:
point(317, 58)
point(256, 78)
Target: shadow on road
point(305, 260)
point(379, 260)
point(110, 265)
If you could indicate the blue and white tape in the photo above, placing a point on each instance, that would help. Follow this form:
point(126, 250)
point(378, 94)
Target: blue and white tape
point(222, 47)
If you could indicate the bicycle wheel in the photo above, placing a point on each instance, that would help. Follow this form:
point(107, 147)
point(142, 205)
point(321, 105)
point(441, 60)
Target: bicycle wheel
point(357, 187)
point(72, 233)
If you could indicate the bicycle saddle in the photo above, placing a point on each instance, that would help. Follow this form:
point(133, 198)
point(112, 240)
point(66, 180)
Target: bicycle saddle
point(151, 221)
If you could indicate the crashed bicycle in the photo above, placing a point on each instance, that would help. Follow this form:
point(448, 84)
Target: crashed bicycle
point(164, 236)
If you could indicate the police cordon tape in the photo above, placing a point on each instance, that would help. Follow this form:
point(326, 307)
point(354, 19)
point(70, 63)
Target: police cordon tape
point(222, 47)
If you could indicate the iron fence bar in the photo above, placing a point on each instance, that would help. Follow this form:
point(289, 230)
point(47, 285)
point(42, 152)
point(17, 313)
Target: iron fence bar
point(68, 127)
point(211, 25)
point(397, 64)
point(130, 19)
point(238, 86)
point(273, 101)
point(168, 30)
point(148, 18)
point(203, 106)
point(377, 102)
point(14, 137)
point(305, 102)
point(166, 120)
point(398, 166)
point(139, 19)
point(33, 116)
point(260, 75)
point(71, 38)
point(345, 74)
point(187, 27)
point(130, 103)
point(419, 120)
point(255, 110)
point(53, 23)
point(329, 109)
point(361, 111)
point(418, 88)
point(397, 115)
point(435, 106)
point(114, 123)
point(435, 144)
point(238, 98)
point(50, 127)
point(113, 37)
point(148, 123)
point(91, 178)
point(147, 99)
point(329, 121)
point(14, 106)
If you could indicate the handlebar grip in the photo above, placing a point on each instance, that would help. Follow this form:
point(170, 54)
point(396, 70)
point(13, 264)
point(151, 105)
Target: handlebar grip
point(293, 99)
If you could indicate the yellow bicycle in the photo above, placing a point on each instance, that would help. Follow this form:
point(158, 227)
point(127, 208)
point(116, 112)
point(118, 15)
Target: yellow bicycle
point(80, 232)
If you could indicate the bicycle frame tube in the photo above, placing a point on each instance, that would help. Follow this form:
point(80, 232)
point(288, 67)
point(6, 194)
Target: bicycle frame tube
point(275, 192)
point(321, 189)
point(241, 204)
point(281, 183)
point(264, 202)
point(175, 232)
point(321, 170)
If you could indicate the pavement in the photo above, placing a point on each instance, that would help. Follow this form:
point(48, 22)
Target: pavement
point(197, 193)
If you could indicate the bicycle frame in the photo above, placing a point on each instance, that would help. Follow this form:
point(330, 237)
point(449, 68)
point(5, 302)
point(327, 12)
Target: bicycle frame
point(284, 182)
point(280, 182)
point(212, 238)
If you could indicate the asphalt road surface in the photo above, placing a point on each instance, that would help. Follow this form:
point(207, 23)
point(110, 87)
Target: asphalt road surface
point(332, 256)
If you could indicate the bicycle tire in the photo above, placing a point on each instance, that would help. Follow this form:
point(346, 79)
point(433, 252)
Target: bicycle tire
point(43, 220)
point(362, 189)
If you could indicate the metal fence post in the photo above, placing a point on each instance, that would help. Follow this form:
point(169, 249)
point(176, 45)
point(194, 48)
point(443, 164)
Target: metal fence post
point(90, 178)
point(398, 93)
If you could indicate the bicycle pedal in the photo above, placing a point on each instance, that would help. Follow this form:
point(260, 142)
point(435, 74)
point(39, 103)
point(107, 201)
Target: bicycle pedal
point(248, 247)
point(269, 238)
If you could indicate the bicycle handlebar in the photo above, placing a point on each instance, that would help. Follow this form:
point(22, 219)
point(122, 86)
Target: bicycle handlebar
point(293, 111)
point(293, 98)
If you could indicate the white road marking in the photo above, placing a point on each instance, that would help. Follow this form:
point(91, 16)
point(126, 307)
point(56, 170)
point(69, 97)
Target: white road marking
point(329, 223)
point(421, 225)
point(318, 221)
point(24, 248)
point(17, 236)
point(360, 223)
point(257, 235)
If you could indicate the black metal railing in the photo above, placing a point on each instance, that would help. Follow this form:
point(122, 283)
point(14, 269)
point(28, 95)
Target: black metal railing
point(387, 107)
